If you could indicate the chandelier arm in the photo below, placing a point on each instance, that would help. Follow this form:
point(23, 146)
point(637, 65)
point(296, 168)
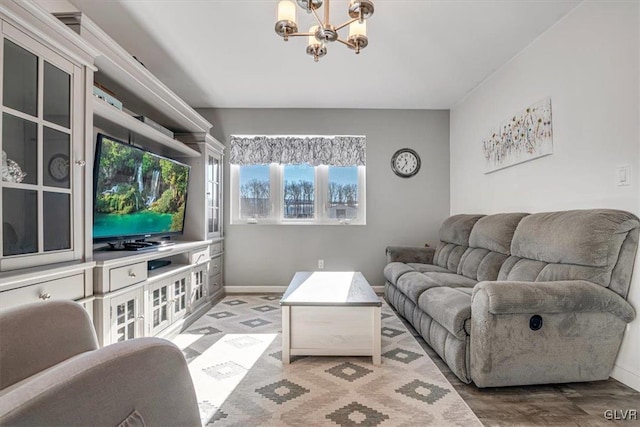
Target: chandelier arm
point(326, 13)
point(346, 43)
point(317, 18)
point(301, 34)
point(339, 27)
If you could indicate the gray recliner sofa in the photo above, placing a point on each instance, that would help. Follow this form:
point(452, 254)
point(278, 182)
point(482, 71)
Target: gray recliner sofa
point(515, 298)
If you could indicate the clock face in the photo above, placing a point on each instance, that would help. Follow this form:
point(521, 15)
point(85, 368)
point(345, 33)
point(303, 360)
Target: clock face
point(405, 163)
point(59, 167)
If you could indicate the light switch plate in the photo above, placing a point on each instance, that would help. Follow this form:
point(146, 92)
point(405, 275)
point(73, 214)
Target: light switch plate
point(623, 175)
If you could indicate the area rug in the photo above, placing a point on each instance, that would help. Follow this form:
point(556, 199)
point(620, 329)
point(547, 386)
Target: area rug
point(234, 355)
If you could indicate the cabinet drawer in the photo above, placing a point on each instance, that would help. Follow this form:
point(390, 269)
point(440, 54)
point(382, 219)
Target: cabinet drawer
point(122, 277)
point(70, 288)
point(216, 248)
point(215, 266)
point(215, 283)
point(202, 255)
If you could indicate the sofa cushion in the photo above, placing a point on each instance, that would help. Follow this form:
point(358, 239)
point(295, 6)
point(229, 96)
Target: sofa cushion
point(450, 307)
point(587, 238)
point(495, 232)
point(394, 270)
point(481, 264)
point(489, 246)
point(457, 228)
point(413, 284)
point(454, 240)
point(429, 268)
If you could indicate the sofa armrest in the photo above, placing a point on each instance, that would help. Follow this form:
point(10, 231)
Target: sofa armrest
point(408, 254)
point(566, 296)
point(103, 387)
point(37, 336)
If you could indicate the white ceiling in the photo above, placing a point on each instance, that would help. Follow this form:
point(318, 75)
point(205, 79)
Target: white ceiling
point(421, 54)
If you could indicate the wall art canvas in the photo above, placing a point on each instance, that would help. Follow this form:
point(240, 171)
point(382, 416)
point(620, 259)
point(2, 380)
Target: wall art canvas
point(525, 136)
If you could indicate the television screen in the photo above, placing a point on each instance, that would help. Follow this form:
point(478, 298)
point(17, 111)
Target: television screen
point(136, 193)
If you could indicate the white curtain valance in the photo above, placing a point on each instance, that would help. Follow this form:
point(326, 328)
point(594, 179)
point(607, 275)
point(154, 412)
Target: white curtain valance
point(312, 150)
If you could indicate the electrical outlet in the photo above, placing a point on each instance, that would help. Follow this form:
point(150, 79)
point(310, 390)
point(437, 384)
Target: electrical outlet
point(320, 264)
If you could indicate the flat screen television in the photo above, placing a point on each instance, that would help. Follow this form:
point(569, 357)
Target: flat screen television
point(137, 194)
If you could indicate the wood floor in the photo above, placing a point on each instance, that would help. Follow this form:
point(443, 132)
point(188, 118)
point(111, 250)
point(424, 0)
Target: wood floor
point(573, 404)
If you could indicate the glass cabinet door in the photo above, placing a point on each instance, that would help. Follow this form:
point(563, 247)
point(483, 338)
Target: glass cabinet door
point(213, 194)
point(158, 304)
point(198, 285)
point(179, 297)
point(125, 316)
point(37, 137)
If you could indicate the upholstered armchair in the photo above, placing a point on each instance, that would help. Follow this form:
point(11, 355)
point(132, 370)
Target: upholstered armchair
point(53, 373)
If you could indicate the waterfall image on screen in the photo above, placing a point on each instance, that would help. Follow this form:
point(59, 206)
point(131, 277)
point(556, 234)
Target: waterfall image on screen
point(137, 193)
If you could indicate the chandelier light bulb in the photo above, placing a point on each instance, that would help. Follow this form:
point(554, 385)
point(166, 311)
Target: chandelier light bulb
point(358, 29)
point(286, 11)
point(312, 37)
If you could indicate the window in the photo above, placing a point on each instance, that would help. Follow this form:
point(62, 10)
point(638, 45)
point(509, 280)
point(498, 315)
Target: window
point(299, 191)
point(342, 194)
point(297, 194)
point(297, 180)
point(254, 191)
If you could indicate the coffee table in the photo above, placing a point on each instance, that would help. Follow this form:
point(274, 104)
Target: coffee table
point(330, 314)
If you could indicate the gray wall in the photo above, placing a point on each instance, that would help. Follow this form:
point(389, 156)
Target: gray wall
point(399, 211)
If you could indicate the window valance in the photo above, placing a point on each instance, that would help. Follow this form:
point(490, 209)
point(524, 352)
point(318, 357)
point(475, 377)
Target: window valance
point(312, 150)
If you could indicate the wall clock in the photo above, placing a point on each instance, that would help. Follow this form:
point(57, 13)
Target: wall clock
point(405, 163)
point(59, 167)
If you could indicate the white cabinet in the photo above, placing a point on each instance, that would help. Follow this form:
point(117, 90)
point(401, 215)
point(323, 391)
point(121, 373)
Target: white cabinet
point(45, 74)
point(42, 121)
point(179, 300)
point(126, 316)
point(159, 303)
point(198, 286)
point(155, 302)
point(215, 275)
point(205, 214)
point(213, 187)
point(204, 204)
point(71, 281)
point(167, 302)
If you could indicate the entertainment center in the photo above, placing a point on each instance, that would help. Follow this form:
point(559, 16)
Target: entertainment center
point(61, 212)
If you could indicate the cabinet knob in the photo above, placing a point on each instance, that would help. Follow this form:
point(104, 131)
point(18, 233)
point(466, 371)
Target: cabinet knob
point(81, 163)
point(132, 274)
point(141, 317)
point(45, 296)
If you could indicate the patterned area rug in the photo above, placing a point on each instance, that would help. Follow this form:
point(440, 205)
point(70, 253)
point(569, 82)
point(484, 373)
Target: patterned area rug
point(234, 355)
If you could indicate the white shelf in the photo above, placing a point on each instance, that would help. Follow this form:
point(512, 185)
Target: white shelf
point(119, 123)
point(133, 84)
point(111, 259)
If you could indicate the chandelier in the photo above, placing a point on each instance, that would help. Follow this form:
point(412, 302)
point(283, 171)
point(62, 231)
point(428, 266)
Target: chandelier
point(324, 32)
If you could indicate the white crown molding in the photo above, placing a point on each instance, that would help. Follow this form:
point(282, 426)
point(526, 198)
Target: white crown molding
point(31, 18)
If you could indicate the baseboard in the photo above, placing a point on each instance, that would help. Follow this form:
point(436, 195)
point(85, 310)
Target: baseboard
point(273, 289)
point(626, 377)
point(254, 289)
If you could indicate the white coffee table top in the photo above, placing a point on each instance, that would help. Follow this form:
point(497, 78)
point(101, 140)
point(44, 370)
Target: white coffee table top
point(331, 288)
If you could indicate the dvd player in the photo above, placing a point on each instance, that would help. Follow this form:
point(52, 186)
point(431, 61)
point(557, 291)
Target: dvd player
point(157, 263)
